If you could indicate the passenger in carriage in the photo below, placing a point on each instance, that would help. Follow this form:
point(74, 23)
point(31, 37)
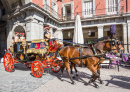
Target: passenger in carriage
point(48, 37)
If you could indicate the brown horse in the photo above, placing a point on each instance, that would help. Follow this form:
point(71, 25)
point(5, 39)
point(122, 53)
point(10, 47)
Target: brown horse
point(99, 45)
point(71, 54)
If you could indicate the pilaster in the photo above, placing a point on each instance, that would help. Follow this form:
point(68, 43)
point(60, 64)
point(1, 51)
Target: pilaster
point(41, 32)
point(100, 31)
point(129, 37)
point(125, 36)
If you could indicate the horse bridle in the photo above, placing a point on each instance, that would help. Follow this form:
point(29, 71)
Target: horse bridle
point(112, 42)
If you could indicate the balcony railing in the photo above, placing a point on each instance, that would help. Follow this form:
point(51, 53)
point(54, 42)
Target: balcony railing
point(52, 11)
point(85, 14)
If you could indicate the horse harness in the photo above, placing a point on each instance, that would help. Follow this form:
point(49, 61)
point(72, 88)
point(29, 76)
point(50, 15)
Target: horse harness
point(94, 51)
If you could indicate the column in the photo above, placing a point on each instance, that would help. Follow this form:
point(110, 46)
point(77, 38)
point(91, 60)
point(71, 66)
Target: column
point(28, 31)
point(41, 32)
point(129, 37)
point(9, 35)
point(34, 30)
point(125, 36)
point(100, 31)
point(59, 34)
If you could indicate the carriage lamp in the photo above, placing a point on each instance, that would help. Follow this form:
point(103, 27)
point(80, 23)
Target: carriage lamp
point(68, 34)
point(89, 32)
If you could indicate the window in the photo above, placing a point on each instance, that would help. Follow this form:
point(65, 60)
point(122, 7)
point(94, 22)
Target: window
point(46, 5)
point(92, 34)
point(88, 8)
point(111, 6)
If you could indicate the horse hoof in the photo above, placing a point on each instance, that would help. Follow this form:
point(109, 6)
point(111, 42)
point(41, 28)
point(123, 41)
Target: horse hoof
point(96, 86)
point(77, 75)
point(73, 83)
point(101, 82)
point(73, 76)
point(61, 79)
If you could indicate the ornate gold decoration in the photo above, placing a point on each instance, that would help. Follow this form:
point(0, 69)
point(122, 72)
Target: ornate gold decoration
point(21, 56)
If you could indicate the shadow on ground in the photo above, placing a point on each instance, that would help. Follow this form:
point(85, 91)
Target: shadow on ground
point(119, 81)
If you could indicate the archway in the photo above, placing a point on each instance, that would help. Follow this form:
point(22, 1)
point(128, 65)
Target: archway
point(19, 32)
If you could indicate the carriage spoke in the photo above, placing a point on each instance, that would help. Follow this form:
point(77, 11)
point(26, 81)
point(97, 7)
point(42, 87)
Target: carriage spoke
point(37, 69)
point(8, 62)
point(56, 67)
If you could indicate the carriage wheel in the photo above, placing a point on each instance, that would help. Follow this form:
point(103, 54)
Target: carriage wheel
point(56, 67)
point(37, 69)
point(8, 62)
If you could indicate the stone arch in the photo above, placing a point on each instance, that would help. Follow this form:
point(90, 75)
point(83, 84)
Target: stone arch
point(19, 29)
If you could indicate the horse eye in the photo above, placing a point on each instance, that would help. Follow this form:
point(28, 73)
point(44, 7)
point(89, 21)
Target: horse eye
point(113, 43)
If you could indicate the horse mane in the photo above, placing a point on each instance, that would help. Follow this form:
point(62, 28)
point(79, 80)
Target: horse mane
point(102, 38)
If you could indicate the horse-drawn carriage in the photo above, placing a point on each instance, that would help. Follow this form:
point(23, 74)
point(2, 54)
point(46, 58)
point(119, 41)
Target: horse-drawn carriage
point(44, 56)
point(38, 51)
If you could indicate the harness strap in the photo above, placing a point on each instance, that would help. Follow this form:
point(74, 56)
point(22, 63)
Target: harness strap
point(93, 49)
point(80, 56)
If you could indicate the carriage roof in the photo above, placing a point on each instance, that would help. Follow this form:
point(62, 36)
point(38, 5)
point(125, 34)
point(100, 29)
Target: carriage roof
point(38, 41)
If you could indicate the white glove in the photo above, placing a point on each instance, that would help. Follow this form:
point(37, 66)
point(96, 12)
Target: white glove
point(51, 37)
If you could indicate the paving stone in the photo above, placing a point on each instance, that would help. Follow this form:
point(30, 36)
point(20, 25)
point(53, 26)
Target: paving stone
point(20, 80)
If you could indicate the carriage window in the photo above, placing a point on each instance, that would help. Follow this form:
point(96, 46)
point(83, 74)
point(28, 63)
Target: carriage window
point(92, 34)
point(42, 45)
point(32, 45)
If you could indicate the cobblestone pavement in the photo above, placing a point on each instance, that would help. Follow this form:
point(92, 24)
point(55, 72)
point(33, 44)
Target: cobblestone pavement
point(114, 81)
point(21, 80)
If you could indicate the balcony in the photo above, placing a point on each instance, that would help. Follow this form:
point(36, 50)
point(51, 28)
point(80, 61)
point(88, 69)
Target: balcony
point(86, 14)
point(52, 12)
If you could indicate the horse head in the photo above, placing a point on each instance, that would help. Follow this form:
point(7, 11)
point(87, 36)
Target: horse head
point(119, 46)
point(106, 44)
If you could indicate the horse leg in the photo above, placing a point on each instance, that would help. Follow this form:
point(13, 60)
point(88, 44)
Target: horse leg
point(68, 70)
point(94, 76)
point(62, 69)
point(99, 78)
point(75, 70)
point(71, 67)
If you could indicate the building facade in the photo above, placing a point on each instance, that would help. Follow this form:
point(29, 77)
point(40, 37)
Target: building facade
point(31, 16)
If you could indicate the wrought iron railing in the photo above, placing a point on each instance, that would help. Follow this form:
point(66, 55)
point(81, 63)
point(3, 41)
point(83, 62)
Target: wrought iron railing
point(85, 14)
point(52, 11)
point(94, 13)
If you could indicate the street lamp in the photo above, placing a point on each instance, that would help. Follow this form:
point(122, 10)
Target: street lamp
point(89, 32)
point(68, 34)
